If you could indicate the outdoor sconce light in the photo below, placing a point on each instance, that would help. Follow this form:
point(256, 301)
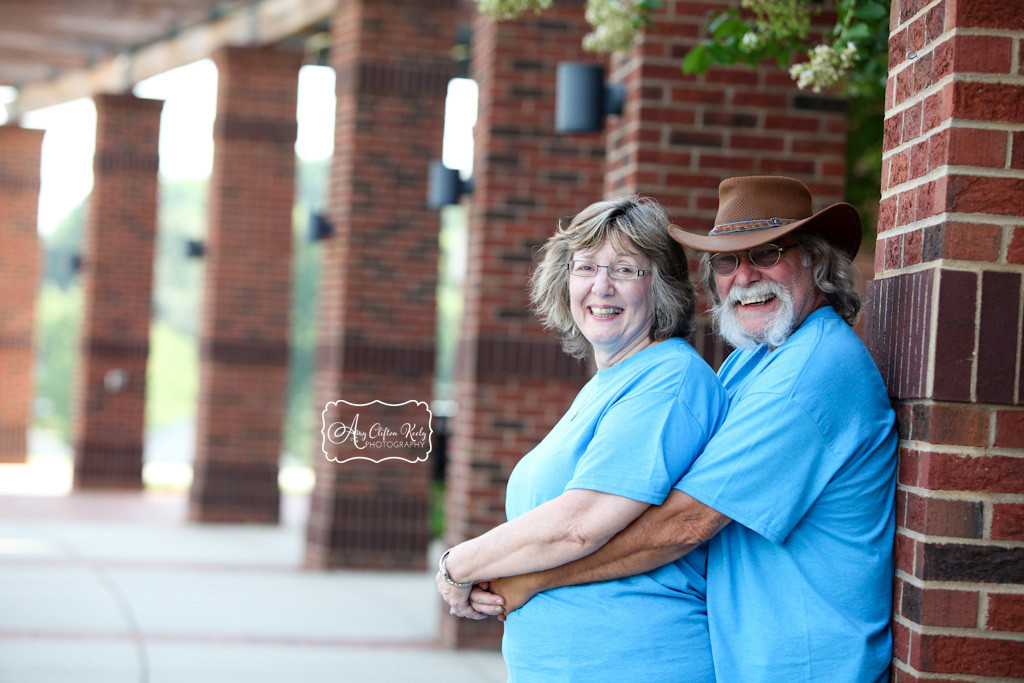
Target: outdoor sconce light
point(195, 249)
point(583, 99)
point(319, 227)
point(115, 380)
point(445, 186)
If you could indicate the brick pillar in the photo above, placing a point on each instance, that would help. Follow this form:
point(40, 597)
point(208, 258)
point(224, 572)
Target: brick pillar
point(513, 381)
point(20, 150)
point(117, 282)
point(680, 135)
point(944, 325)
point(247, 294)
point(377, 313)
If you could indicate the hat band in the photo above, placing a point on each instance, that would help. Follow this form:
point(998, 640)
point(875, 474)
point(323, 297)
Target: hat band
point(765, 223)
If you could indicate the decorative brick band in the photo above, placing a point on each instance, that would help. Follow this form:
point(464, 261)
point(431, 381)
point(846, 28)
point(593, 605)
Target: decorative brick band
point(233, 127)
point(500, 358)
point(119, 162)
point(837, 105)
point(404, 79)
point(100, 464)
point(109, 348)
point(18, 343)
point(378, 523)
point(373, 356)
point(981, 563)
point(244, 353)
point(897, 327)
point(232, 489)
point(20, 183)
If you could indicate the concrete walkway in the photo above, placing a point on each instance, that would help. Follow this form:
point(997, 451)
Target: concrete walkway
point(112, 588)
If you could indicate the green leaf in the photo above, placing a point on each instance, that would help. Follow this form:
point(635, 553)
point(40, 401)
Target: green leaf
point(697, 61)
point(870, 11)
point(719, 20)
point(722, 54)
point(735, 28)
point(854, 33)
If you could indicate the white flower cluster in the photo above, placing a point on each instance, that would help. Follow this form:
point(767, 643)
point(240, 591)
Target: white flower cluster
point(826, 67)
point(615, 23)
point(510, 9)
point(751, 41)
point(780, 19)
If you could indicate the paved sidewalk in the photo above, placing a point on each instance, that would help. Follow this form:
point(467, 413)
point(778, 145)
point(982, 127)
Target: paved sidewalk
point(117, 587)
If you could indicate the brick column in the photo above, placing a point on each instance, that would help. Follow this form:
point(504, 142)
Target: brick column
point(376, 337)
point(20, 150)
point(247, 294)
point(514, 382)
point(944, 325)
point(117, 282)
point(680, 136)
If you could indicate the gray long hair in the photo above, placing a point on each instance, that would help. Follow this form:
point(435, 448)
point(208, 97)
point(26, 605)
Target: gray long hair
point(636, 223)
point(834, 274)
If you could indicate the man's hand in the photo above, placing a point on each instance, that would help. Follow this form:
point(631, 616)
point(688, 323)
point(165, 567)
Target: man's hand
point(514, 591)
point(483, 601)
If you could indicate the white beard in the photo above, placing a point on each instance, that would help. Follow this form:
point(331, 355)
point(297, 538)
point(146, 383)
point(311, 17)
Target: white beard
point(775, 332)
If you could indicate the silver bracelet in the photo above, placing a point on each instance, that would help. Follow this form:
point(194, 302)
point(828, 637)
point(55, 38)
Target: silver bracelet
point(444, 573)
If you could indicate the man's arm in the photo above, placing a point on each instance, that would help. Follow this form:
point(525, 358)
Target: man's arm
point(660, 535)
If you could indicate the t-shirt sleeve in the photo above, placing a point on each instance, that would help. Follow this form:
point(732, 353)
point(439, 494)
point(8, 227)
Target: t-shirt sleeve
point(764, 467)
point(641, 447)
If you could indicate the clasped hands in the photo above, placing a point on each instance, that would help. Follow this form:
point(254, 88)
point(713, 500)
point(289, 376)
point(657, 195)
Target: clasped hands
point(496, 598)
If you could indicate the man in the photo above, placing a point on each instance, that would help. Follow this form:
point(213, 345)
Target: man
point(796, 490)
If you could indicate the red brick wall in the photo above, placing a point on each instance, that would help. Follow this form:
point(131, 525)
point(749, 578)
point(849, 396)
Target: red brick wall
point(20, 150)
point(514, 382)
point(247, 291)
point(680, 136)
point(117, 277)
point(944, 324)
point(379, 278)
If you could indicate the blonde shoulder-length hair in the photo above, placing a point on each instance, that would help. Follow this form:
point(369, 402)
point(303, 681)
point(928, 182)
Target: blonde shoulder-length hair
point(637, 224)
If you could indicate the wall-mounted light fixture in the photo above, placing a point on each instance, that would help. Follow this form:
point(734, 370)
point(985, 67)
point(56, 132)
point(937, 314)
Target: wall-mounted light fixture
point(445, 185)
point(583, 99)
point(195, 249)
point(319, 227)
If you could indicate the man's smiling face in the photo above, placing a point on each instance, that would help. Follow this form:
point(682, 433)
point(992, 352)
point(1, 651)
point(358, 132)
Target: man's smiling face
point(764, 305)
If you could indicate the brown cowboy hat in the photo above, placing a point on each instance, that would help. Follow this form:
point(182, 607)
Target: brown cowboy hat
point(754, 210)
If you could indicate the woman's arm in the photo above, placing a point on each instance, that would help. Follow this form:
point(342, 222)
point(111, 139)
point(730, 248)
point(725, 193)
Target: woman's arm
point(571, 526)
point(662, 534)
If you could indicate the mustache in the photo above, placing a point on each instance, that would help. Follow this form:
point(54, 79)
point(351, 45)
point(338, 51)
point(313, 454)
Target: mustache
point(756, 289)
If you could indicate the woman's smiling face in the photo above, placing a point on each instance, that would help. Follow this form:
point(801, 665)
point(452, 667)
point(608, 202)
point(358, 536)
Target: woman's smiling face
point(614, 315)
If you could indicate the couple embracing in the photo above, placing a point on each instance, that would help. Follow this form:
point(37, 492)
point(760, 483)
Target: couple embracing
point(676, 524)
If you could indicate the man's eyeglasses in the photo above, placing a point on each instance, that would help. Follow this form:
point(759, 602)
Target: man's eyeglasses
point(762, 256)
point(616, 271)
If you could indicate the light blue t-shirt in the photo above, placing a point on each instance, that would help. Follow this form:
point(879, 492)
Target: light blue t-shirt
point(632, 431)
point(800, 584)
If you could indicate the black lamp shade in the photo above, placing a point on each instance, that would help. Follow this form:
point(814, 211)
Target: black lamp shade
point(319, 227)
point(582, 98)
point(195, 249)
point(444, 186)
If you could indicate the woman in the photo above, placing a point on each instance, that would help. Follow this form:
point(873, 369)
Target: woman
point(614, 286)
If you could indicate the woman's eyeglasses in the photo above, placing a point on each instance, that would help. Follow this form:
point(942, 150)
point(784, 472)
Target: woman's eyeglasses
point(616, 271)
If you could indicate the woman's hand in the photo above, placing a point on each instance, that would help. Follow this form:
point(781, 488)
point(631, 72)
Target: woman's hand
point(457, 596)
point(457, 599)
